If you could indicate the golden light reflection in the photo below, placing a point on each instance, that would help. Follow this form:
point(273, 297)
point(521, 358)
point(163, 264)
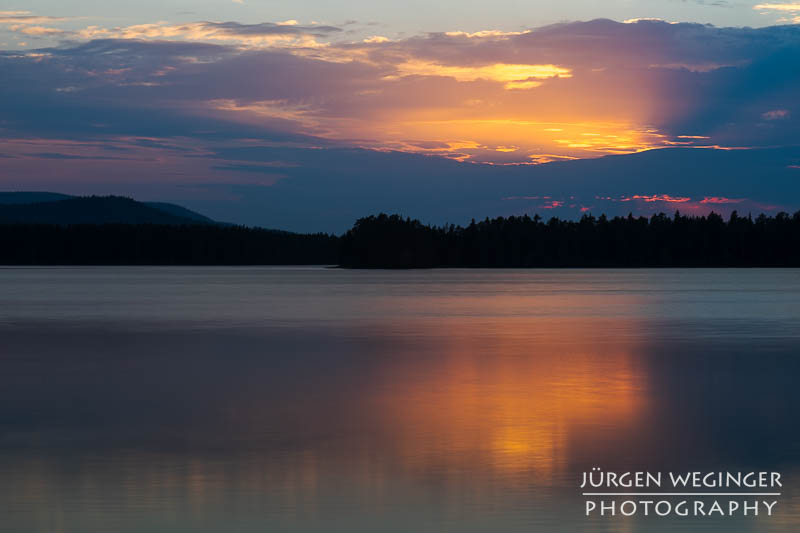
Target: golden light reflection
point(510, 395)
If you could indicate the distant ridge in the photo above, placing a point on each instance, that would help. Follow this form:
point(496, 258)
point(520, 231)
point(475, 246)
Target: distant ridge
point(179, 211)
point(24, 197)
point(62, 209)
point(91, 210)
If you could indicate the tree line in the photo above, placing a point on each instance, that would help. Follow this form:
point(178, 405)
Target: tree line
point(157, 244)
point(392, 241)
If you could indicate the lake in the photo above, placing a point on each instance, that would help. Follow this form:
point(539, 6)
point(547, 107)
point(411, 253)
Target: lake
point(324, 400)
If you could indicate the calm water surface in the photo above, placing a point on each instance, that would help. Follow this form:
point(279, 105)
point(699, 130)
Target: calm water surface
point(321, 400)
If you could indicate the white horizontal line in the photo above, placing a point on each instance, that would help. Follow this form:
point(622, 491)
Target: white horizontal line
point(681, 493)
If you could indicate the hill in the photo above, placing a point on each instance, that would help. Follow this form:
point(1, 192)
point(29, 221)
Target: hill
point(56, 229)
point(180, 211)
point(35, 197)
point(48, 208)
point(26, 197)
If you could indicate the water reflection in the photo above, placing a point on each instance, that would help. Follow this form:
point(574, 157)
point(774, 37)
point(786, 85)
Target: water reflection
point(508, 394)
point(466, 401)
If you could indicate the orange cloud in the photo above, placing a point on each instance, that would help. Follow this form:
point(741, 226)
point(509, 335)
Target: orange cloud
point(657, 198)
point(790, 9)
point(779, 7)
point(549, 158)
point(36, 30)
point(512, 76)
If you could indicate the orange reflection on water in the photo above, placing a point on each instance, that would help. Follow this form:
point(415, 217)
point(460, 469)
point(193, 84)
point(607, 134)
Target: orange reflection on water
point(513, 396)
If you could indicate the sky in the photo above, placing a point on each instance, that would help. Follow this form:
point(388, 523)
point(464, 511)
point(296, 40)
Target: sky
point(307, 115)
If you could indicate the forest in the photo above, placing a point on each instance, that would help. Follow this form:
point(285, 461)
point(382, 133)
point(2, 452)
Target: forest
point(160, 244)
point(395, 242)
point(385, 241)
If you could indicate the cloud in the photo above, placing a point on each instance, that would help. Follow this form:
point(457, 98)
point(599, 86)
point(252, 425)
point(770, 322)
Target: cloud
point(485, 33)
point(721, 200)
point(792, 10)
point(510, 75)
point(26, 17)
point(794, 7)
point(37, 30)
point(643, 19)
point(376, 39)
point(262, 34)
point(776, 114)
point(26, 23)
point(657, 198)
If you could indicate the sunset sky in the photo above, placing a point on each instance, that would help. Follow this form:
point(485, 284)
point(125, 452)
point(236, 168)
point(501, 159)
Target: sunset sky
point(307, 115)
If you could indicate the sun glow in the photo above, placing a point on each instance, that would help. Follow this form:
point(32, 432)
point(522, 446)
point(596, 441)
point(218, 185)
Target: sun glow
point(449, 133)
point(510, 75)
point(515, 141)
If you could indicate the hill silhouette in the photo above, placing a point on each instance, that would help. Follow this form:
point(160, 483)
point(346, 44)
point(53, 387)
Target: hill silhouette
point(31, 197)
point(180, 211)
point(96, 210)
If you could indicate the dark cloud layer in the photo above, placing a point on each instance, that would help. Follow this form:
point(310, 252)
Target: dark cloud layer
point(269, 28)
